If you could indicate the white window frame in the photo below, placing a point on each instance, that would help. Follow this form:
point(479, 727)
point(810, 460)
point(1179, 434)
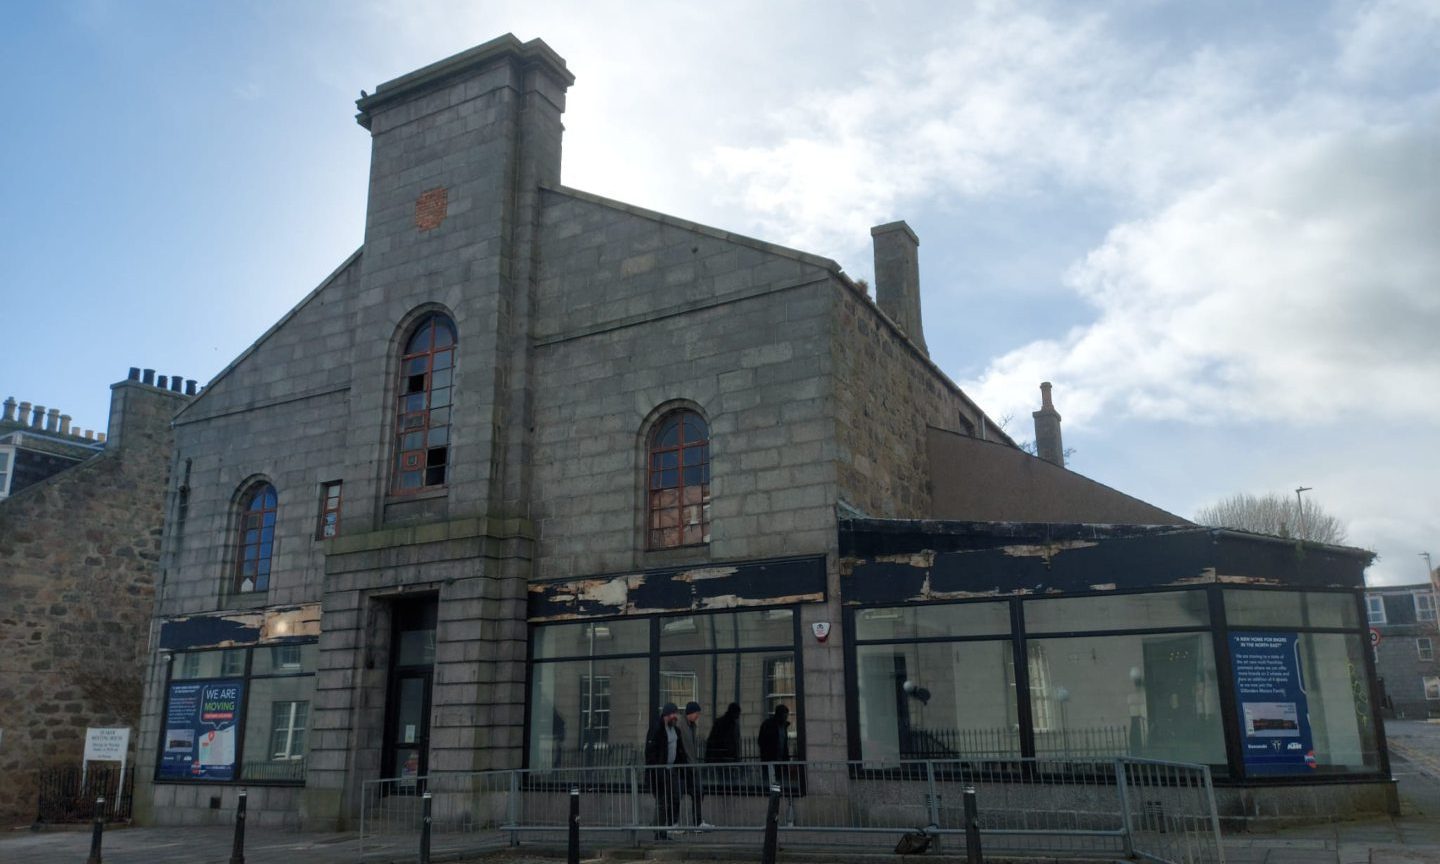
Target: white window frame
point(7, 468)
point(1375, 603)
point(1424, 606)
point(1432, 687)
point(283, 744)
point(1424, 648)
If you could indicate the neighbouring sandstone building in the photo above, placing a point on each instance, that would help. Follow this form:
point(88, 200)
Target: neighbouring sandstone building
point(532, 462)
point(79, 546)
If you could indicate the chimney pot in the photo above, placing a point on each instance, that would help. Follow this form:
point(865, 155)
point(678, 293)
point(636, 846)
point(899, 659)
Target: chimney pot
point(897, 278)
point(24, 416)
point(175, 382)
point(64, 424)
point(9, 408)
point(100, 437)
point(89, 434)
point(148, 377)
point(190, 387)
point(162, 382)
point(52, 420)
point(37, 419)
point(134, 374)
point(1048, 444)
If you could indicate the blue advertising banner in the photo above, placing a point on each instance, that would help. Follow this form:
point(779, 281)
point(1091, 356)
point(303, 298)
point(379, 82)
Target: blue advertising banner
point(202, 725)
point(1270, 695)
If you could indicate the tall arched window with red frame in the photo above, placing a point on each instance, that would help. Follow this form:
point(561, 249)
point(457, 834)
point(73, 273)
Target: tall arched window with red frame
point(422, 422)
point(255, 540)
point(678, 482)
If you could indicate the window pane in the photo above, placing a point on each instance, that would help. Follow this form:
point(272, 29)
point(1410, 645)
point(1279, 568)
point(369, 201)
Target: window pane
point(290, 659)
point(1148, 696)
point(1290, 609)
point(417, 648)
point(1117, 612)
point(921, 622)
point(589, 712)
point(276, 721)
point(1319, 688)
point(757, 629)
point(756, 681)
point(937, 701)
point(585, 640)
point(208, 664)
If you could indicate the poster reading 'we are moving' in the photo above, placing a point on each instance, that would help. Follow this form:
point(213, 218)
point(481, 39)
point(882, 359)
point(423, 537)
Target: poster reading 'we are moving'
point(202, 723)
point(1270, 692)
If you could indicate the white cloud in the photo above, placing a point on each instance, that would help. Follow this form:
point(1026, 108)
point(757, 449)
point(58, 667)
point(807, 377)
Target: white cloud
point(1298, 289)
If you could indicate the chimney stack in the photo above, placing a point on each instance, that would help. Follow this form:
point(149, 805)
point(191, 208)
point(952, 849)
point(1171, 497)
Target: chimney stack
point(897, 277)
point(1048, 445)
point(9, 409)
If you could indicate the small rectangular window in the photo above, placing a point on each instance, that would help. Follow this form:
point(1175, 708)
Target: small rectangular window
point(1424, 606)
point(329, 525)
point(1424, 648)
point(1375, 606)
point(1432, 687)
point(7, 457)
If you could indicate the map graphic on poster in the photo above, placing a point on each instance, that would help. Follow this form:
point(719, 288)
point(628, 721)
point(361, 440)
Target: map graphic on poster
point(1274, 715)
point(202, 723)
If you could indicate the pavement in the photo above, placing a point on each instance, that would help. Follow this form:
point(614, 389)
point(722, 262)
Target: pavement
point(1411, 838)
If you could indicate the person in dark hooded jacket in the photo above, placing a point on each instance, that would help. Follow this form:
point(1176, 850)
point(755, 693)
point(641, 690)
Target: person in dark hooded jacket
point(723, 745)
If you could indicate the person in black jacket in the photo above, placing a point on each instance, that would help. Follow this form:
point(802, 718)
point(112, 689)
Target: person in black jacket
point(774, 737)
point(662, 753)
point(723, 745)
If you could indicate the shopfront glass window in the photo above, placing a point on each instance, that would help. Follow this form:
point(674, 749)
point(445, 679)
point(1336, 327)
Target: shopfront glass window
point(591, 713)
point(1299, 609)
point(757, 681)
point(620, 636)
point(1152, 696)
point(1118, 612)
point(932, 622)
point(239, 714)
point(940, 700)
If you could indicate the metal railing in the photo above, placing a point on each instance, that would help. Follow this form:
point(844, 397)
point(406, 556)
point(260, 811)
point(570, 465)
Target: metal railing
point(1158, 811)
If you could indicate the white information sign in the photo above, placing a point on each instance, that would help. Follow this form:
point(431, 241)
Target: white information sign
point(106, 744)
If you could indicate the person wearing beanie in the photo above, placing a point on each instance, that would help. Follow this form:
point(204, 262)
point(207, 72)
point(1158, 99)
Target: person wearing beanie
point(663, 751)
point(690, 743)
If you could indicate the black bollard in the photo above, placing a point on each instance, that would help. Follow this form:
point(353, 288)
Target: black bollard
point(772, 822)
point(98, 833)
point(573, 853)
point(237, 847)
point(425, 829)
point(973, 855)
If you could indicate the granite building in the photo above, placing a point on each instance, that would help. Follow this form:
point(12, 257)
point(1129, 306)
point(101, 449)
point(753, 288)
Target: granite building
point(532, 462)
point(79, 548)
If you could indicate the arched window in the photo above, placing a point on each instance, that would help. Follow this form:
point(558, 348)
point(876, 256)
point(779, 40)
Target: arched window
point(255, 540)
point(679, 482)
point(422, 423)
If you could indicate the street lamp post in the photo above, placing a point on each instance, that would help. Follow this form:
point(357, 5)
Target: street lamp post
point(1300, 513)
point(1429, 569)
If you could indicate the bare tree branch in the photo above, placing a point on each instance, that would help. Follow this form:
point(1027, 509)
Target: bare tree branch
point(1275, 514)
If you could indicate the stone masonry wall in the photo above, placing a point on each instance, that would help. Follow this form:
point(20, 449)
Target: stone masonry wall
point(886, 396)
point(640, 312)
point(78, 557)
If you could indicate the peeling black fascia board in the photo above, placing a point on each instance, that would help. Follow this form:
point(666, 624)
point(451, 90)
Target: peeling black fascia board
point(1010, 559)
point(678, 589)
